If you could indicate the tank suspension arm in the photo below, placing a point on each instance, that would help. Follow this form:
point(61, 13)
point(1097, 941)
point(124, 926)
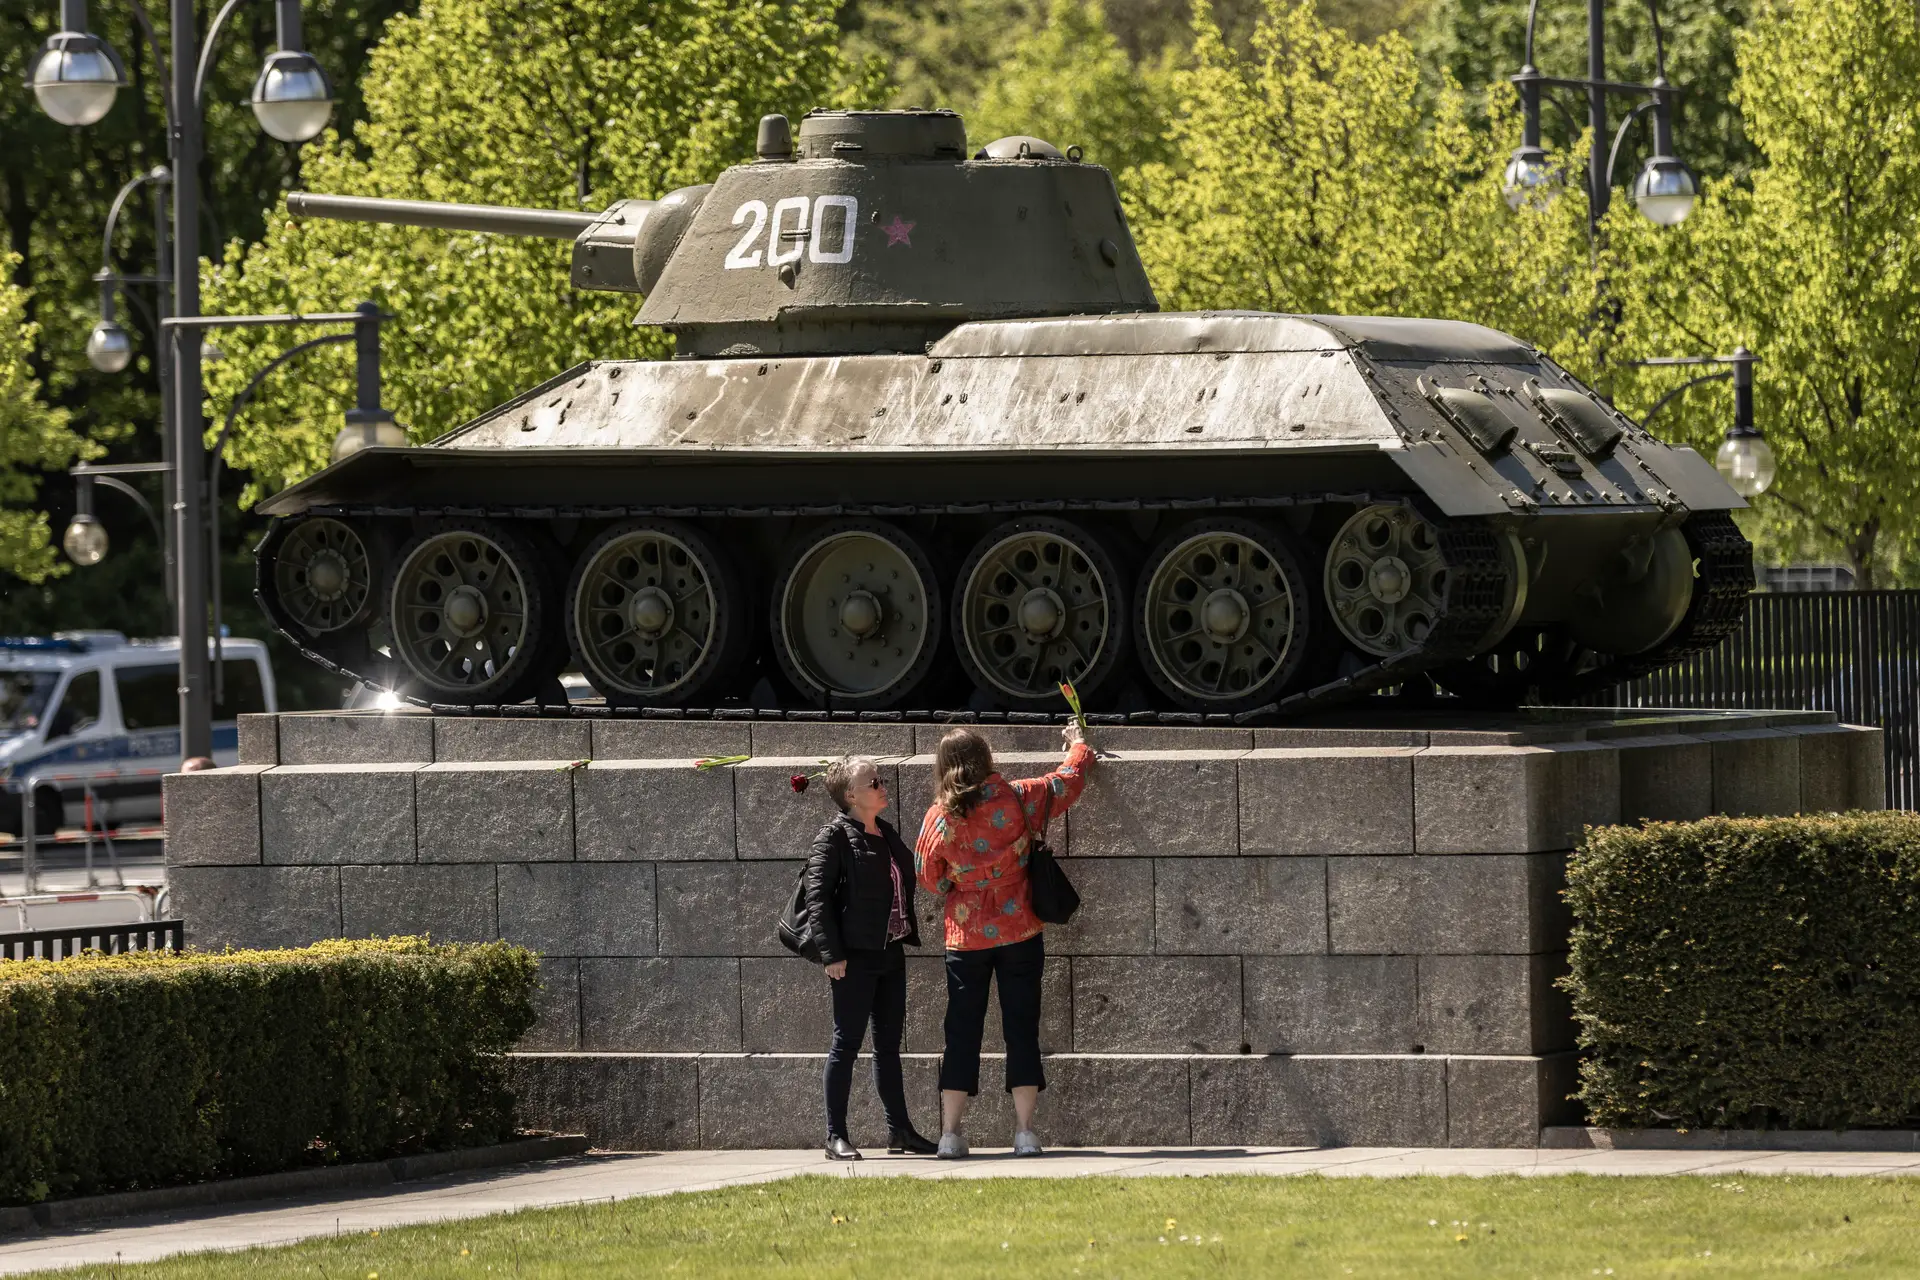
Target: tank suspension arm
point(550, 224)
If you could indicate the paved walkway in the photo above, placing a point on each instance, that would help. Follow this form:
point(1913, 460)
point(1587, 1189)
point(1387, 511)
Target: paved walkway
point(618, 1177)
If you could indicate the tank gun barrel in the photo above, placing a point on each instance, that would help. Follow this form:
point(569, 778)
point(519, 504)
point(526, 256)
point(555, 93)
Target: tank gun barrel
point(550, 224)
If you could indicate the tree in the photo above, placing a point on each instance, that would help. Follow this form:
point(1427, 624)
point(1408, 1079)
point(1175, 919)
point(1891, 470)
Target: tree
point(33, 437)
point(1311, 180)
point(540, 103)
point(56, 184)
point(1071, 83)
point(1815, 265)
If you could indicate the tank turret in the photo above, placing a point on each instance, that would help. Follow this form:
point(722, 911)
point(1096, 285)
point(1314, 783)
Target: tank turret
point(925, 443)
point(872, 231)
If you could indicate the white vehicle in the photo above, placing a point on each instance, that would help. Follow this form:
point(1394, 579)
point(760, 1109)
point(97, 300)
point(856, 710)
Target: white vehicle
point(92, 710)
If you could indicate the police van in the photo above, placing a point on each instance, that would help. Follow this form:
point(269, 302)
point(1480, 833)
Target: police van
point(91, 720)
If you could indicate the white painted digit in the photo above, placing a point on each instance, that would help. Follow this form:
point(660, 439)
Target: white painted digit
point(850, 210)
point(777, 256)
point(739, 257)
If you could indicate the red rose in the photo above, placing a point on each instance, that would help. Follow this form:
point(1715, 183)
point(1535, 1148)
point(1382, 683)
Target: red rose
point(798, 782)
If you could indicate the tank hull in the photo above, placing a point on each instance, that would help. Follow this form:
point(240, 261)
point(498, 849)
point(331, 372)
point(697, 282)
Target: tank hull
point(1235, 513)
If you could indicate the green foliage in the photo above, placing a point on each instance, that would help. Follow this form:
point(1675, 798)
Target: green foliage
point(1750, 972)
point(548, 104)
point(155, 1068)
point(33, 437)
point(1311, 180)
point(1479, 43)
point(1815, 266)
point(1071, 83)
point(938, 54)
point(56, 184)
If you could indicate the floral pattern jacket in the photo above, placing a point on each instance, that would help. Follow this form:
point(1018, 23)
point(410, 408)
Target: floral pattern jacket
point(980, 861)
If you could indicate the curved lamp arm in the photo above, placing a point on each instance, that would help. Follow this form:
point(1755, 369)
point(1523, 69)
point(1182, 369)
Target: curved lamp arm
point(159, 60)
point(113, 217)
point(1613, 156)
point(116, 483)
point(206, 51)
point(214, 459)
point(1674, 394)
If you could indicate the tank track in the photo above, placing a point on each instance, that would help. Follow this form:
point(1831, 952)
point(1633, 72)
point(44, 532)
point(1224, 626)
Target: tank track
point(1718, 608)
point(1564, 671)
point(1475, 604)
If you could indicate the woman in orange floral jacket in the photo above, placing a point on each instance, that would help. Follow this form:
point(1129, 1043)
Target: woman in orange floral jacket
point(973, 849)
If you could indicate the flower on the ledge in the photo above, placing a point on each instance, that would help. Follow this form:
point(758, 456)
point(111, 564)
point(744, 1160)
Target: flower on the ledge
point(716, 762)
point(798, 782)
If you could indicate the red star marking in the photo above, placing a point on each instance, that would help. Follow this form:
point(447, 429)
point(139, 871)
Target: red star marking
point(898, 232)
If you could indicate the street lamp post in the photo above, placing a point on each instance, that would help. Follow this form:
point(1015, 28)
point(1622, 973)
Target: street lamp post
point(1744, 458)
point(367, 423)
point(1665, 189)
point(75, 78)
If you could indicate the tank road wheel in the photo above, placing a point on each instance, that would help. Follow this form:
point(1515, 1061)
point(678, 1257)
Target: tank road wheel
point(323, 575)
point(656, 613)
point(856, 616)
point(1039, 602)
point(469, 614)
point(1223, 615)
point(1386, 580)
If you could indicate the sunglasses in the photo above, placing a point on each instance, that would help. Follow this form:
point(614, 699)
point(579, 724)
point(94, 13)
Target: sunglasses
point(875, 784)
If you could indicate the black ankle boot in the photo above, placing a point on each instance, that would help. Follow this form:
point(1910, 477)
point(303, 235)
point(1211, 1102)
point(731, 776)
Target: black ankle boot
point(908, 1142)
point(840, 1149)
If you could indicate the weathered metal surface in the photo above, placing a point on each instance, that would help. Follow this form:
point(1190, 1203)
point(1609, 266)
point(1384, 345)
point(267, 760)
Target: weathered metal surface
point(878, 335)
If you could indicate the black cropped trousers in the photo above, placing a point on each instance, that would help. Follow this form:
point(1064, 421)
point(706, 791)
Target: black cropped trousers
point(1018, 967)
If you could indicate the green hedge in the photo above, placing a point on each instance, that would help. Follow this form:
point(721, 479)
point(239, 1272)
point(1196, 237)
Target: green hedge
point(1750, 972)
point(149, 1069)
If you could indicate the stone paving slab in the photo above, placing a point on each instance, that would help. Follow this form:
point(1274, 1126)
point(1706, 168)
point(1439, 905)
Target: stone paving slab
point(617, 1177)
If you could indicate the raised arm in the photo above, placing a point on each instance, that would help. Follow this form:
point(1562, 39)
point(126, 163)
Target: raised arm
point(1066, 783)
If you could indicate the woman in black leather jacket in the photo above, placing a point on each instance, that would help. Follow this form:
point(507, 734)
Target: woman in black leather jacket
point(860, 887)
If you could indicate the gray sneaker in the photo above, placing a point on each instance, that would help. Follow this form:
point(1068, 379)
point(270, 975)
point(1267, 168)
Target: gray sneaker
point(952, 1147)
point(1026, 1143)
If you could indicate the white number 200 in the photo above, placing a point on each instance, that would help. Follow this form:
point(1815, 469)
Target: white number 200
point(810, 232)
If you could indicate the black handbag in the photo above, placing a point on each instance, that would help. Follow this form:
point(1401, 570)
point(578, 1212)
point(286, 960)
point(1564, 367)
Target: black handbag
point(1054, 897)
point(796, 924)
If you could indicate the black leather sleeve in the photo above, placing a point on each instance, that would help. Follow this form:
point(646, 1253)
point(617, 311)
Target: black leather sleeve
point(824, 869)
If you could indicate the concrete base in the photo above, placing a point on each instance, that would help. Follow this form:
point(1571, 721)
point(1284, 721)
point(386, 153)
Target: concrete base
point(665, 1102)
point(1341, 933)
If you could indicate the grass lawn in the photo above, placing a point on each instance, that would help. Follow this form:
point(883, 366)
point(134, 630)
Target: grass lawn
point(814, 1227)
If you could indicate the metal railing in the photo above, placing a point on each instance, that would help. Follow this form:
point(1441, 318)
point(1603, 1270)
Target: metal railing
point(1854, 653)
point(29, 789)
point(110, 939)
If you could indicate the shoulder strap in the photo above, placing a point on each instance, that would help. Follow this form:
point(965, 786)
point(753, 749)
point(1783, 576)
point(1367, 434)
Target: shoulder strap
point(1046, 813)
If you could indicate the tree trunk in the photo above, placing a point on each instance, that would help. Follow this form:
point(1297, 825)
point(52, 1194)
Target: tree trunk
point(1860, 553)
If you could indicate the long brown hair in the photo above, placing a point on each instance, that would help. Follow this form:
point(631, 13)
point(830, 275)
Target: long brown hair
point(962, 763)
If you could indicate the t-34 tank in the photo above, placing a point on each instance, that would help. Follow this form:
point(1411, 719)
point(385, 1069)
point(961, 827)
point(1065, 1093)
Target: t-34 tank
point(928, 442)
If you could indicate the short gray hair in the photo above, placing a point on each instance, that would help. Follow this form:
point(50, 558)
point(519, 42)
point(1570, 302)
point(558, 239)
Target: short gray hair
point(840, 777)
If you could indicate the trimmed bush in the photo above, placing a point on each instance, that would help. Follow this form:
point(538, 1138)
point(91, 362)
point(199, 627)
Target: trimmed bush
point(120, 1072)
point(1749, 972)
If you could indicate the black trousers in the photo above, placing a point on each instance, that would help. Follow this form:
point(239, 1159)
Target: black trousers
point(968, 974)
point(875, 989)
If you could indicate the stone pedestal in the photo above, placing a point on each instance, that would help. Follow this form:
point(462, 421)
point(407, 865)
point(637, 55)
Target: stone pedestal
point(1331, 934)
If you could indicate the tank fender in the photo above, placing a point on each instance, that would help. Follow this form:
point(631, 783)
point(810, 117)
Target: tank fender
point(1692, 478)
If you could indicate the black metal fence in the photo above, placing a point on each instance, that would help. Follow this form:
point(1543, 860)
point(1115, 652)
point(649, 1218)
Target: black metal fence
point(64, 944)
point(1854, 653)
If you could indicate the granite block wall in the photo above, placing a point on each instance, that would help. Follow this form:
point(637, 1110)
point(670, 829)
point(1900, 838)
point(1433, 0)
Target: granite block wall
point(1310, 935)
